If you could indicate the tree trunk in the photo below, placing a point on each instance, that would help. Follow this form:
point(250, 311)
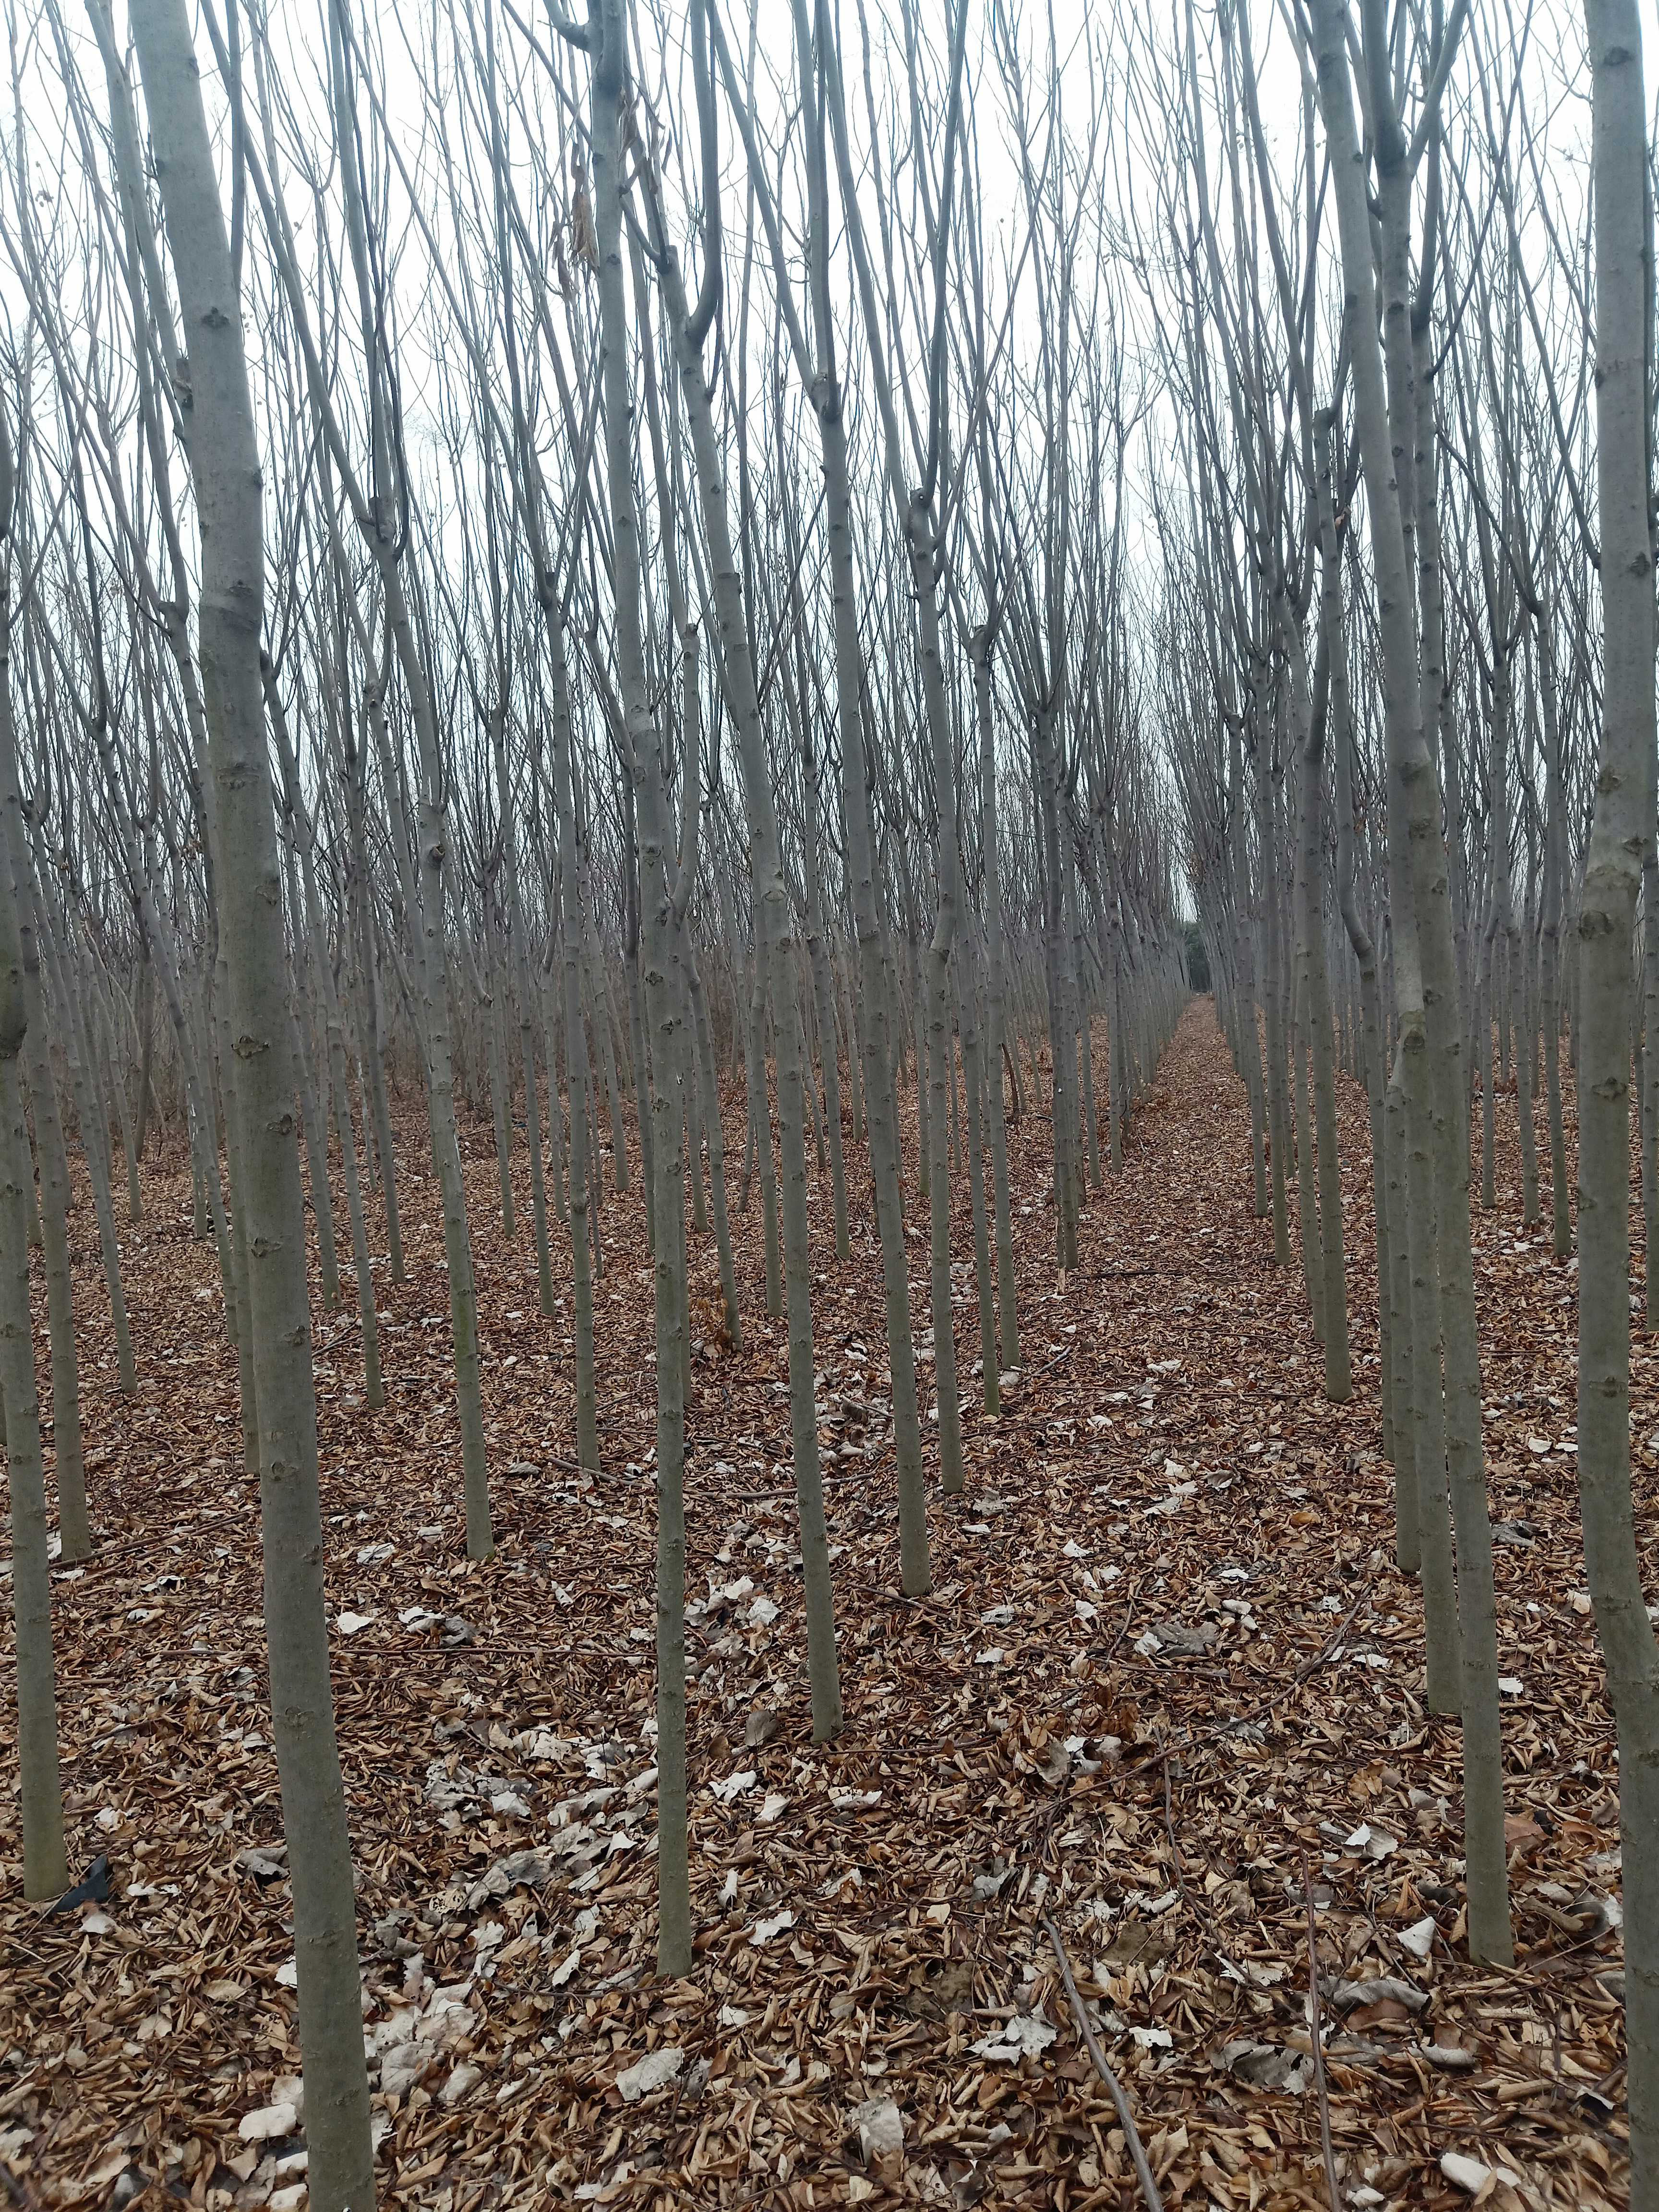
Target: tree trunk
point(1622, 827)
point(46, 1868)
point(224, 460)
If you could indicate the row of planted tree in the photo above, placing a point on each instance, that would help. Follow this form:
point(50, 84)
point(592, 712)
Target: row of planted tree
point(598, 569)
point(432, 667)
point(1408, 563)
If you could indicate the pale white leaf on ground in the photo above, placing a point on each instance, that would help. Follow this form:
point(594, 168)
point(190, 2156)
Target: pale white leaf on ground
point(1466, 2173)
point(650, 2073)
point(268, 2122)
point(402, 2067)
point(1346, 1995)
point(1418, 1940)
point(1024, 2033)
point(460, 2080)
point(1371, 1843)
point(880, 2126)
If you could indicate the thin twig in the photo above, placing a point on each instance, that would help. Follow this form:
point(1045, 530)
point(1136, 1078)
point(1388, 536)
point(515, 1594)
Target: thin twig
point(575, 1466)
point(1169, 1823)
point(1312, 1666)
point(1112, 1648)
point(773, 1497)
point(1318, 2052)
point(1131, 2133)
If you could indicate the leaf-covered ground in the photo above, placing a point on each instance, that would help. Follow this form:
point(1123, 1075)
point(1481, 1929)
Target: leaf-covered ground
point(1167, 1684)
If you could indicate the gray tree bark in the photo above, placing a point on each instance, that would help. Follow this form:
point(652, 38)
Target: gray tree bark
point(1621, 829)
point(225, 468)
point(46, 1869)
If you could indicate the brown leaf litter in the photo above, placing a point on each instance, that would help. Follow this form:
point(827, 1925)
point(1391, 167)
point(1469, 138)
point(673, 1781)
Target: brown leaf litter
point(1166, 1656)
